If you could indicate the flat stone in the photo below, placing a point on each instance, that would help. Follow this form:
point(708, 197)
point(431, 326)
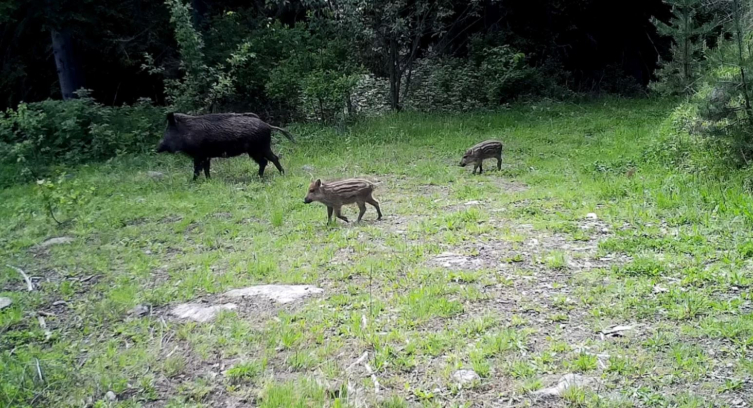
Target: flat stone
point(569, 380)
point(277, 293)
point(198, 312)
point(463, 377)
point(451, 260)
point(55, 241)
point(592, 216)
point(5, 302)
point(660, 289)
point(617, 330)
point(140, 310)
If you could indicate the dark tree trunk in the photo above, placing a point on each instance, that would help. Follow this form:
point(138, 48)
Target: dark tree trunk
point(69, 71)
point(394, 76)
point(199, 8)
point(739, 34)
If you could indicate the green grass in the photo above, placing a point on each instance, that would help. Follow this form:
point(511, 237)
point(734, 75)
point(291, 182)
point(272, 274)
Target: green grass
point(669, 253)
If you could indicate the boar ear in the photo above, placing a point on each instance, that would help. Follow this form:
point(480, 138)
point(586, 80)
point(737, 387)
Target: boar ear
point(318, 183)
point(171, 118)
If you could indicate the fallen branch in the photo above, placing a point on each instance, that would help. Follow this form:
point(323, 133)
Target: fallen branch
point(39, 371)
point(24, 275)
point(43, 325)
point(171, 353)
point(359, 361)
point(373, 378)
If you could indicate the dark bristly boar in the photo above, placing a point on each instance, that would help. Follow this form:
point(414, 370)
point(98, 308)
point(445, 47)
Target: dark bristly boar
point(220, 135)
point(335, 194)
point(485, 150)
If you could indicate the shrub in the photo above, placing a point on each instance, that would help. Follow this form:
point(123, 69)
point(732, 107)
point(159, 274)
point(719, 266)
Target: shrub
point(492, 76)
point(443, 84)
point(76, 131)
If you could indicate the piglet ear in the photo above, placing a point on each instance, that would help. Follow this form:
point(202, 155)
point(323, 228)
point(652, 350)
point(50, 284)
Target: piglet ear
point(318, 183)
point(171, 118)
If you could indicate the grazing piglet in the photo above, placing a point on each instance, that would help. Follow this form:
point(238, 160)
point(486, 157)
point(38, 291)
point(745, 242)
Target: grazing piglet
point(484, 150)
point(220, 135)
point(335, 194)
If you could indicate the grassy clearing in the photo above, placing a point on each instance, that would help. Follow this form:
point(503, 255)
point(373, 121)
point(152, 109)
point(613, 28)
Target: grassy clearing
point(503, 273)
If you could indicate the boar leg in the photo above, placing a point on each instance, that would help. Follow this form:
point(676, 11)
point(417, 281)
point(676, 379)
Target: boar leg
point(480, 167)
point(260, 160)
point(262, 166)
point(375, 203)
point(475, 167)
point(361, 210)
point(275, 160)
point(206, 167)
point(499, 162)
point(339, 215)
point(329, 214)
point(198, 164)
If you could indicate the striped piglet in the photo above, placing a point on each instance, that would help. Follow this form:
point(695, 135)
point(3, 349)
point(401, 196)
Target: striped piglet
point(484, 150)
point(335, 194)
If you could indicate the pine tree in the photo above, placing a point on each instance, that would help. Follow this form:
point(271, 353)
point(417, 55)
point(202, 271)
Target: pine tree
point(680, 74)
point(725, 101)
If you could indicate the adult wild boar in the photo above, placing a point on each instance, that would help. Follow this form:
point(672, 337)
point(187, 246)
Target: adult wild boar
point(220, 135)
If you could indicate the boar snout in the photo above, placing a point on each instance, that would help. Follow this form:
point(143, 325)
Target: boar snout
point(307, 200)
point(161, 148)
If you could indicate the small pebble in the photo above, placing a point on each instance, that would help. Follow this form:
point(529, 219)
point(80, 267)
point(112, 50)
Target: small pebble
point(110, 396)
point(5, 302)
point(140, 310)
point(463, 377)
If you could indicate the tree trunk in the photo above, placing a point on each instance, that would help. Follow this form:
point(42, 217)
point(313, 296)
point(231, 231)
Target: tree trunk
point(739, 33)
point(199, 9)
point(349, 104)
point(394, 76)
point(686, 45)
point(69, 71)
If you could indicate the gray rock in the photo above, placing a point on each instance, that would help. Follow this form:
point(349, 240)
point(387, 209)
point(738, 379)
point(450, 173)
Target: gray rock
point(55, 241)
point(464, 377)
point(452, 260)
point(155, 175)
point(140, 310)
point(5, 302)
point(277, 293)
point(660, 289)
point(200, 313)
point(308, 168)
point(110, 396)
point(569, 380)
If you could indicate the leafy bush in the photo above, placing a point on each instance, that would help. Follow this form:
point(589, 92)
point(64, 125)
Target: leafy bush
point(720, 111)
point(444, 84)
point(492, 76)
point(62, 196)
point(370, 96)
point(77, 131)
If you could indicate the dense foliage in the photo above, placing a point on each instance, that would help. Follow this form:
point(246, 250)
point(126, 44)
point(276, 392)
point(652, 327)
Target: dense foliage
point(106, 44)
point(718, 114)
point(333, 61)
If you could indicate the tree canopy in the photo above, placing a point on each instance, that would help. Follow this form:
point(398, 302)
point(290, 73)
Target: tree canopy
point(51, 47)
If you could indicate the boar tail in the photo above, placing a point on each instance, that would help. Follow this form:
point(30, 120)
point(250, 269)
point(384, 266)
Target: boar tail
point(284, 132)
